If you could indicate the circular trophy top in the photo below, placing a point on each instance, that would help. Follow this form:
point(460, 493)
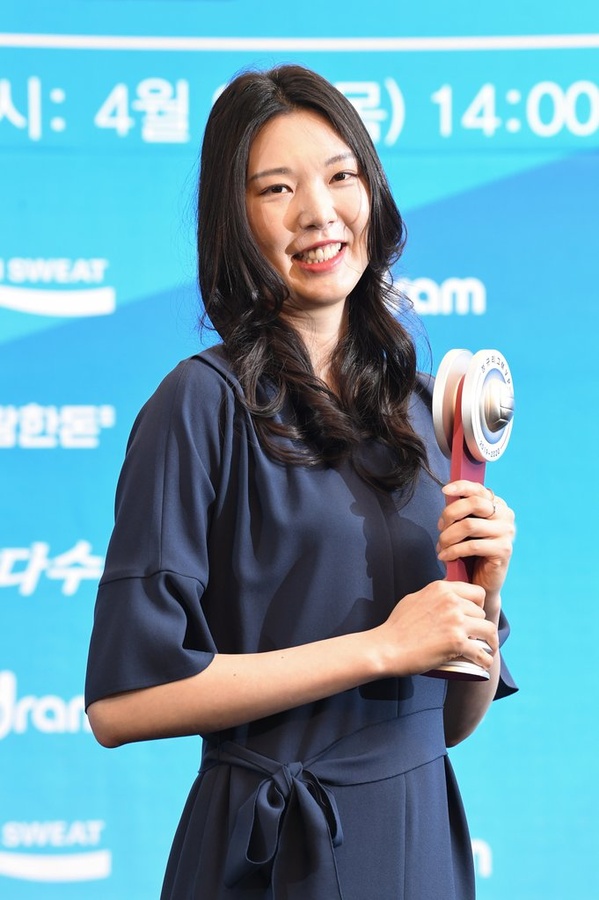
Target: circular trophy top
point(487, 406)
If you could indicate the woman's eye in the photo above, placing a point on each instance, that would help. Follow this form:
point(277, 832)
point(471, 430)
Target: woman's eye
point(344, 176)
point(276, 189)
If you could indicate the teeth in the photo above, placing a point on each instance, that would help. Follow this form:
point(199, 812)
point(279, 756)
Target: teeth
point(320, 254)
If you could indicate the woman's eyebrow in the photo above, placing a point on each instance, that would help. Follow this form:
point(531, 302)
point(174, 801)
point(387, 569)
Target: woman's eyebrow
point(349, 154)
point(281, 170)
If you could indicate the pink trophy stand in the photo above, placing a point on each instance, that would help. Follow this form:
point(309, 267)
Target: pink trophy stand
point(473, 408)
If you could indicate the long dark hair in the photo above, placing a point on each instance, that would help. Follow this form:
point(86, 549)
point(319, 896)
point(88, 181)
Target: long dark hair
point(374, 364)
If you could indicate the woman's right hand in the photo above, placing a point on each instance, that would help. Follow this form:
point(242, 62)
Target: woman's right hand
point(434, 625)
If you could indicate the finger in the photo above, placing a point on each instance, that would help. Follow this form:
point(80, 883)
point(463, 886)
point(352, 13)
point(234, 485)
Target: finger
point(472, 593)
point(479, 644)
point(470, 500)
point(470, 518)
point(479, 652)
point(463, 488)
point(475, 536)
point(498, 549)
point(484, 630)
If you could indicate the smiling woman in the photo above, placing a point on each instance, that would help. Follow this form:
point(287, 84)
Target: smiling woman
point(295, 152)
point(275, 579)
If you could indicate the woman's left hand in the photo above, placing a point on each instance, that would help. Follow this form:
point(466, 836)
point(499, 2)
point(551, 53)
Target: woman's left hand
point(476, 523)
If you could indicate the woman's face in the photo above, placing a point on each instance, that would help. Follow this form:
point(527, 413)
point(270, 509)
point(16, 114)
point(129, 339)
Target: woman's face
point(308, 207)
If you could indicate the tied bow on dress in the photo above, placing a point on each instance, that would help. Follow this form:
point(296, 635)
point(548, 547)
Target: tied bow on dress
point(289, 826)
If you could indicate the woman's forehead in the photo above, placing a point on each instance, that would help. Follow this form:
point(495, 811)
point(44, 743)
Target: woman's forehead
point(297, 132)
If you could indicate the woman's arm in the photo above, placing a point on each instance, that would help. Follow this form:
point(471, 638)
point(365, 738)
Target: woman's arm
point(425, 629)
point(467, 701)
point(234, 689)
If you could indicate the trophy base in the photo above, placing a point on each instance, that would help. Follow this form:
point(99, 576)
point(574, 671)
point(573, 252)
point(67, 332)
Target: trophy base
point(462, 669)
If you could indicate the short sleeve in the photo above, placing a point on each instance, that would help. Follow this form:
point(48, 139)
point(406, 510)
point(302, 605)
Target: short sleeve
point(506, 684)
point(149, 626)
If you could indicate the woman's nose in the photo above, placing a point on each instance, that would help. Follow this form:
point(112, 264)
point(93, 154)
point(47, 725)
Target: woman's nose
point(315, 208)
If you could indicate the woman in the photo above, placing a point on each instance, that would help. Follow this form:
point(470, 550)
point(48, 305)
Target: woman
point(274, 581)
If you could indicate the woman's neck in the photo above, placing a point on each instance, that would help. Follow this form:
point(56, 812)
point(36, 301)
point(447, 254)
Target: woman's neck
point(320, 334)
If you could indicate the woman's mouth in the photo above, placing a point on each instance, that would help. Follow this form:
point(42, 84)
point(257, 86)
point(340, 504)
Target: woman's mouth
point(319, 254)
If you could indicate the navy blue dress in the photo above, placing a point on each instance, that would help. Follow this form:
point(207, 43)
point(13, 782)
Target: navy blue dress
point(216, 548)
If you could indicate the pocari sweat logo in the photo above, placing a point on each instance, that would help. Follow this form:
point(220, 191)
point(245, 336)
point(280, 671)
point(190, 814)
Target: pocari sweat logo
point(59, 286)
point(71, 851)
point(49, 714)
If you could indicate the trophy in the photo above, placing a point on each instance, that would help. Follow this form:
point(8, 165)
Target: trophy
point(473, 408)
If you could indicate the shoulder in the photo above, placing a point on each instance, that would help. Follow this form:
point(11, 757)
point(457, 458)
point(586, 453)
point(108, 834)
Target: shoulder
point(195, 389)
point(185, 429)
point(205, 372)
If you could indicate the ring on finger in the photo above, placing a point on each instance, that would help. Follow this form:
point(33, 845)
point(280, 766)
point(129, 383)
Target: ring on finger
point(494, 502)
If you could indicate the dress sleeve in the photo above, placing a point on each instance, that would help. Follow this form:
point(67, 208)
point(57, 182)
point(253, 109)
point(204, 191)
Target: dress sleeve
point(506, 685)
point(149, 625)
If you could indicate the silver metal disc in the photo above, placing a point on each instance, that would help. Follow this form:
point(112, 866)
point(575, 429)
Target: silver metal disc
point(487, 405)
point(452, 369)
point(462, 671)
point(462, 668)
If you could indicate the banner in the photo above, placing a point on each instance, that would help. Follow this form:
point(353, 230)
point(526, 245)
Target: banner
point(487, 123)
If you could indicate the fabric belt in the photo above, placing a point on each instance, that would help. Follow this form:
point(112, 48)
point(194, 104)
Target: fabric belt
point(288, 827)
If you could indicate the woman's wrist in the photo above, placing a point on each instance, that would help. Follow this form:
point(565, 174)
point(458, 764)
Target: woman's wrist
point(493, 605)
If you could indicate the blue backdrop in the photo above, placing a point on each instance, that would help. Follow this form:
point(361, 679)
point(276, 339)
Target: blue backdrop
point(489, 134)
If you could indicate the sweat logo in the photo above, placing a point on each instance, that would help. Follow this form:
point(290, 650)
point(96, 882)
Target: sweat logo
point(54, 851)
point(68, 288)
point(70, 857)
